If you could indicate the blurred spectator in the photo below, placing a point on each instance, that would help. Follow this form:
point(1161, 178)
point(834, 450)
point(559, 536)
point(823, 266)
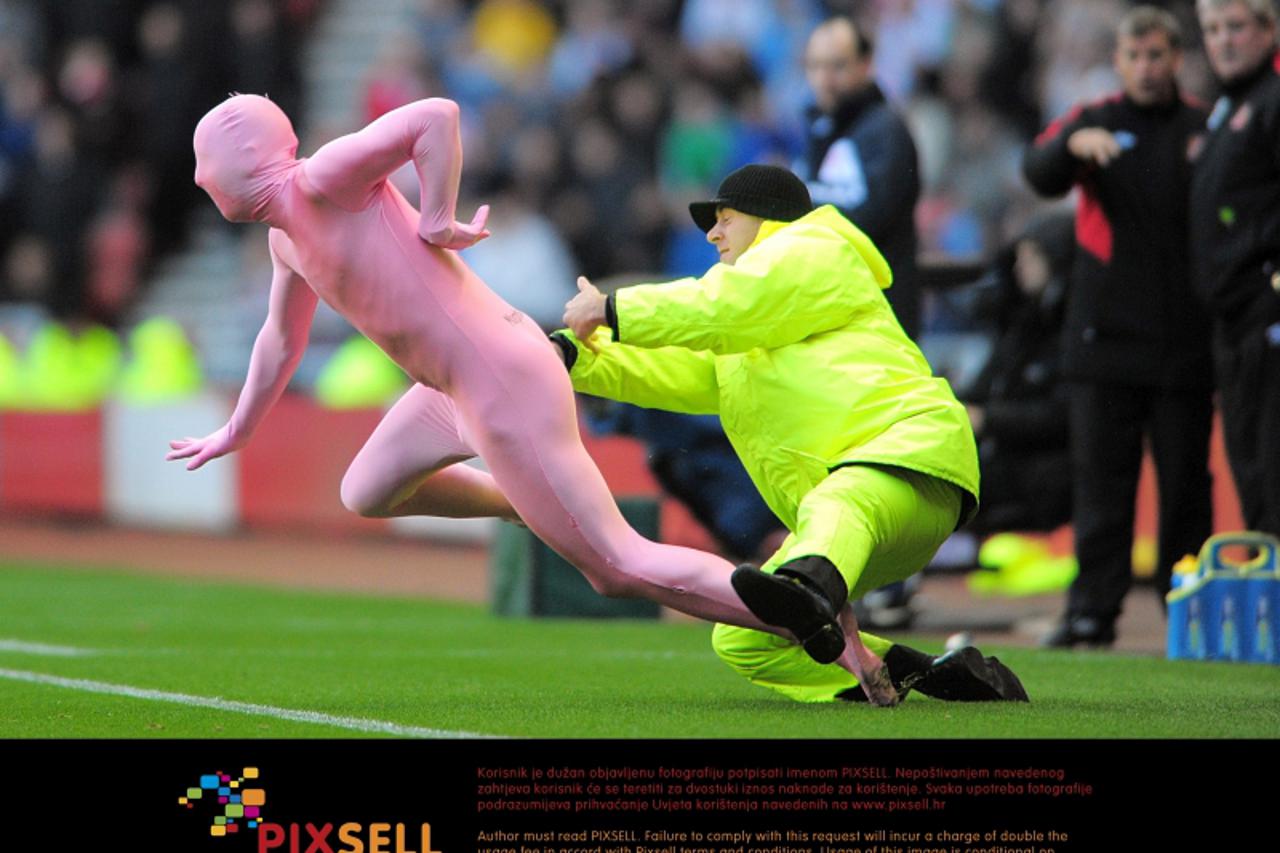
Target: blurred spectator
point(117, 247)
point(1018, 402)
point(543, 280)
point(860, 155)
point(637, 104)
point(166, 93)
point(21, 99)
point(1008, 79)
point(261, 55)
point(536, 162)
point(89, 88)
point(1075, 64)
point(441, 27)
point(697, 145)
point(770, 35)
point(514, 36)
point(59, 193)
point(756, 138)
point(98, 99)
point(985, 180)
point(399, 77)
point(592, 44)
point(110, 22)
point(1236, 241)
point(28, 270)
point(699, 141)
point(20, 28)
point(921, 32)
point(597, 157)
point(1136, 348)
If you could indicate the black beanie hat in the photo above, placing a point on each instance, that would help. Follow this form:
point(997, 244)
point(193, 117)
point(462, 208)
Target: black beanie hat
point(769, 192)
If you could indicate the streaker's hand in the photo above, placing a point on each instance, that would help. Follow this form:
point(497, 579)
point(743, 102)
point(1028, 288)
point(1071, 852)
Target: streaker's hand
point(584, 313)
point(460, 235)
point(1095, 145)
point(201, 450)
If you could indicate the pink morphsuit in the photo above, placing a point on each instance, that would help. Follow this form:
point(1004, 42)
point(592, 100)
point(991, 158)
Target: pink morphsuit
point(489, 382)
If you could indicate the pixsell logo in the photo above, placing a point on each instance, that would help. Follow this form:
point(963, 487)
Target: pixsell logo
point(348, 837)
point(228, 801)
point(235, 805)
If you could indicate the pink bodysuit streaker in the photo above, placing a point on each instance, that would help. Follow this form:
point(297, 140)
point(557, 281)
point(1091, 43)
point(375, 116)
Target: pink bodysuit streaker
point(489, 382)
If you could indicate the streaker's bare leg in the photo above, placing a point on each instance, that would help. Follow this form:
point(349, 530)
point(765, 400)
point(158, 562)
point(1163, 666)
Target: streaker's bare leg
point(865, 664)
point(527, 435)
point(412, 465)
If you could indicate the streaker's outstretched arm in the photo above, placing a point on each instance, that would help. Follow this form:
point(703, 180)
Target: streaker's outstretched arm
point(349, 170)
point(276, 354)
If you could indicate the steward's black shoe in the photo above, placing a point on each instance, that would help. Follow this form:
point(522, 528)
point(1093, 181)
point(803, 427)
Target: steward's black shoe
point(964, 675)
point(1080, 630)
point(788, 602)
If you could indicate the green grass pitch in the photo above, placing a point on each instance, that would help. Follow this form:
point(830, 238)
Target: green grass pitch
point(292, 664)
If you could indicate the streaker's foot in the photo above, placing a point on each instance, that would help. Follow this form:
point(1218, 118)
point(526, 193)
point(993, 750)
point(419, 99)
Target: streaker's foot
point(966, 676)
point(788, 602)
point(901, 662)
point(878, 687)
point(875, 676)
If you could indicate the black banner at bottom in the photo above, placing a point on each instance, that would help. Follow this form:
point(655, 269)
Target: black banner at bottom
point(773, 796)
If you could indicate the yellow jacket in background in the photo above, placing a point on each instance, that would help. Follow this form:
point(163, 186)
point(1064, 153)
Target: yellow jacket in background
point(797, 350)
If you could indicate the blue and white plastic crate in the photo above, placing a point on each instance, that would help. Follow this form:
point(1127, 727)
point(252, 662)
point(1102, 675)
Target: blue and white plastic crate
point(1225, 610)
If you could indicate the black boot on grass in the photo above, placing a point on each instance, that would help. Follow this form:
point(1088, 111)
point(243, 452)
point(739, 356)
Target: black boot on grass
point(963, 675)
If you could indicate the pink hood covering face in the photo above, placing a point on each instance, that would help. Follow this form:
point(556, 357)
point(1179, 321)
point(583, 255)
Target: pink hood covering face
point(244, 147)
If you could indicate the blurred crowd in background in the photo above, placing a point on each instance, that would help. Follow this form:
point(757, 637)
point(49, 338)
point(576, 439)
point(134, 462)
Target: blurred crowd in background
point(98, 99)
point(589, 124)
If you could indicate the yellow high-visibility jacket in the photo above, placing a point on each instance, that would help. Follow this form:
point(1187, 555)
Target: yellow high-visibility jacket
point(797, 349)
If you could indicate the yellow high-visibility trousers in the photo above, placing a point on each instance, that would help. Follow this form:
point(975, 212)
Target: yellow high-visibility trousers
point(877, 525)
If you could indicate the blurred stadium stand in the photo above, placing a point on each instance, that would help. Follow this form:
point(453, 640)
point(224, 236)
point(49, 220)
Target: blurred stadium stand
point(597, 118)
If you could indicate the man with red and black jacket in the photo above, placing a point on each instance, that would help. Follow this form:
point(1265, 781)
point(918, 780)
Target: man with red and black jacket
point(1136, 350)
point(1235, 239)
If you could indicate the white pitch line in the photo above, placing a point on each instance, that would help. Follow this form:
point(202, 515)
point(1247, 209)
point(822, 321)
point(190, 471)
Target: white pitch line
point(22, 647)
point(352, 723)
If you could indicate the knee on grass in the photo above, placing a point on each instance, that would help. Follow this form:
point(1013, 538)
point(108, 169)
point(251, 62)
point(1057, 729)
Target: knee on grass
point(747, 652)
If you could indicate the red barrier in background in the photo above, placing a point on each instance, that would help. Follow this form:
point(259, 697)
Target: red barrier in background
point(289, 476)
point(291, 472)
point(51, 462)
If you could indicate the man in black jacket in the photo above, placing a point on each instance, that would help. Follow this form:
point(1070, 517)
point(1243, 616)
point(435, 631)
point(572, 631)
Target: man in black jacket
point(1235, 240)
point(860, 156)
point(1136, 348)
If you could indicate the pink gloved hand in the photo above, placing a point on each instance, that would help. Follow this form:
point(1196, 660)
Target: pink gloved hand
point(459, 235)
point(201, 450)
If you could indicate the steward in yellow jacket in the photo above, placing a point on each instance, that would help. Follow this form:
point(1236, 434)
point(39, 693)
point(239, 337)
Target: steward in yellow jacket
point(865, 456)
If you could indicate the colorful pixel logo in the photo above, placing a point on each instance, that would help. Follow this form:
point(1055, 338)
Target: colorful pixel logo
point(233, 803)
